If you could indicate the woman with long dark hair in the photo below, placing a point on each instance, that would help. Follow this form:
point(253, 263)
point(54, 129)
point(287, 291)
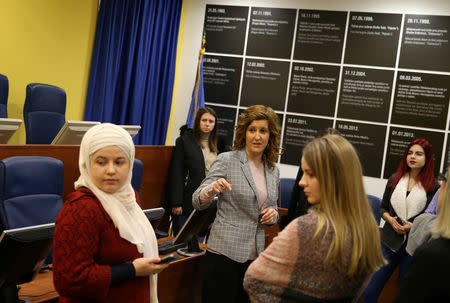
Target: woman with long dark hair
point(407, 194)
point(195, 151)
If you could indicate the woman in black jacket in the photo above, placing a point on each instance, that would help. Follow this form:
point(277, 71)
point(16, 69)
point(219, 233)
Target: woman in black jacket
point(195, 150)
point(407, 194)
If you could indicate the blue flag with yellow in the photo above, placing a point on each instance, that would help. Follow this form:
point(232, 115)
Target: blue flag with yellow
point(198, 95)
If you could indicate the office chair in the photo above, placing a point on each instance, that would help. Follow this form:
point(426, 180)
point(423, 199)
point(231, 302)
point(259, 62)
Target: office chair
point(4, 89)
point(286, 187)
point(43, 113)
point(30, 190)
point(138, 170)
point(375, 204)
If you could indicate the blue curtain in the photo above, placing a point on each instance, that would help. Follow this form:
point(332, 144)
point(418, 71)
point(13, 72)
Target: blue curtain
point(133, 66)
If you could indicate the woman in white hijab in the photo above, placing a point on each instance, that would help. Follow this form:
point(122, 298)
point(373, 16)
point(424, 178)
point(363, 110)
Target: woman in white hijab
point(105, 249)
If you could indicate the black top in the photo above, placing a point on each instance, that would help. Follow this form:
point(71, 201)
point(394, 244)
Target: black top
point(187, 169)
point(299, 205)
point(427, 277)
point(122, 272)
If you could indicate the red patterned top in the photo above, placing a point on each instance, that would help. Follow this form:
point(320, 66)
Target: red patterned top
point(86, 244)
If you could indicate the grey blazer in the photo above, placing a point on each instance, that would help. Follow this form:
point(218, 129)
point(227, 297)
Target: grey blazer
point(236, 227)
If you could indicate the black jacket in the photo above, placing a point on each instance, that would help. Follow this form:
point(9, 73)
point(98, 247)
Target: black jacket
point(298, 205)
point(426, 279)
point(389, 236)
point(186, 172)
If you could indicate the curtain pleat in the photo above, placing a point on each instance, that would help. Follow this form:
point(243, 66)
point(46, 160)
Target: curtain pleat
point(133, 66)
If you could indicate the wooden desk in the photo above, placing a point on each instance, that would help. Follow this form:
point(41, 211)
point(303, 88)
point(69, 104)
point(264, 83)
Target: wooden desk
point(180, 282)
point(156, 160)
point(41, 289)
point(272, 231)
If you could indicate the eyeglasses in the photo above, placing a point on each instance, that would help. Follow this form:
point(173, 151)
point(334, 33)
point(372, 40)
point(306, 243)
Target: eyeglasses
point(441, 179)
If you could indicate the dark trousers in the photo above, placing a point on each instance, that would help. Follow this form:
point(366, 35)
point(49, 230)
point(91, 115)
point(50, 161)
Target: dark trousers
point(178, 222)
point(223, 280)
point(380, 278)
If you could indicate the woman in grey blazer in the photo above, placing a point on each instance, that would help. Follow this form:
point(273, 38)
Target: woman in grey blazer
point(246, 182)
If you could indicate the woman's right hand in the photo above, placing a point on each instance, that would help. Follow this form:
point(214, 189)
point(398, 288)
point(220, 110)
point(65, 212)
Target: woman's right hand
point(146, 266)
point(221, 185)
point(399, 229)
point(177, 210)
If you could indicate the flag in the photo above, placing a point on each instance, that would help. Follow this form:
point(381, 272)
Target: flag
point(198, 95)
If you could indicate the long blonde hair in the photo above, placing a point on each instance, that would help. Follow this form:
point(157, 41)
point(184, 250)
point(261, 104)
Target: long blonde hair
point(343, 205)
point(442, 226)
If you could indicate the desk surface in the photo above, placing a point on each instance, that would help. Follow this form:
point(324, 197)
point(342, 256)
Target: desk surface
point(41, 289)
point(180, 282)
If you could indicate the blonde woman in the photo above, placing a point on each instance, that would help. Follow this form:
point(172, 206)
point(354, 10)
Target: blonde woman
point(327, 254)
point(427, 276)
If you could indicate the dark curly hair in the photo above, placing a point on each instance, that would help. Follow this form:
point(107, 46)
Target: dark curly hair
point(260, 112)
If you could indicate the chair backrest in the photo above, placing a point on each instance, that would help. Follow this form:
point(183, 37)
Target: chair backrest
point(286, 187)
point(44, 112)
point(138, 170)
point(30, 190)
point(4, 90)
point(375, 203)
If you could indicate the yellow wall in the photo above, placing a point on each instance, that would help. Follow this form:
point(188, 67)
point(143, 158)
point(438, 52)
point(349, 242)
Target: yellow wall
point(46, 41)
point(177, 75)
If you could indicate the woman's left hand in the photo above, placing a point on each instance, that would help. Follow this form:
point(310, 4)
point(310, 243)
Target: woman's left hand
point(269, 215)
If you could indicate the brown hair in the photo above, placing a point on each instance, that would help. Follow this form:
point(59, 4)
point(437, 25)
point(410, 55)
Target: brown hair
point(260, 112)
point(212, 140)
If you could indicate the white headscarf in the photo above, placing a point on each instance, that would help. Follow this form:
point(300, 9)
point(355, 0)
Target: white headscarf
point(121, 206)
